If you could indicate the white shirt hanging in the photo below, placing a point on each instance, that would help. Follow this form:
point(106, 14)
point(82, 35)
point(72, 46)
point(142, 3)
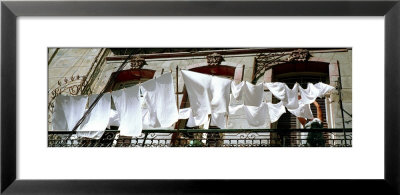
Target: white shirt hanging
point(275, 111)
point(96, 122)
point(128, 105)
point(68, 111)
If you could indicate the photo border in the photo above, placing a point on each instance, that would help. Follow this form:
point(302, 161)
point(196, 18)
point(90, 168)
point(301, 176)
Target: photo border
point(10, 10)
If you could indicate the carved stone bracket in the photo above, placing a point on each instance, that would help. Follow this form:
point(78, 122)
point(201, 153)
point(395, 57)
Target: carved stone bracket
point(214, 59)
point(137, 62)
point(300, 55)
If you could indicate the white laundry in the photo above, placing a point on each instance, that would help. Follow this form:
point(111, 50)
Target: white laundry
point(236, 109)
point(237, 90)
point(198, 86)
point(96, 122)
point(292, 95)
point(303, 111)
point(220, 89)
point(323, 88)
point(278, 90)
point(184, 113)
point(257, 115)
point(114, 118)
point(200, 119)
point(219, 120)
point(128, 105)
point(167, 111)
point(313, 91)
point(275, 111)
point(288, 96)
point(252, 95)
point(309, 94)
point(73, 108)
point(59, 122)
point(149, 91)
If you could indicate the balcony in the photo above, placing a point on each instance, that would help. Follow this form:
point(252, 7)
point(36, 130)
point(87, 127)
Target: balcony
point(210, 138)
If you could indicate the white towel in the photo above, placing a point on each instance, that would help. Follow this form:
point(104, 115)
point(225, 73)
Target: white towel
point(149, 112)
point(184, 113)
point(288, 96)
point(253, 94)
point(73, 108)
point(257, 115)
point(309, 95)
point(303, 111)
point(278, 90)
point(237, 90)
point(198, 86)
point(167, 111)
point(313, 91)
point(129, 108)
point(114, 118)
point(236, 109)
point(59, 122)
point(292, 95)
point(200, 119)
point(323, 88)
point(220, 89)
point(96, 122)
point(275, 111)
point(219, 120)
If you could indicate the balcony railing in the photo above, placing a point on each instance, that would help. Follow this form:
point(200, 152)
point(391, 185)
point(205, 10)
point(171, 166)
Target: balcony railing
point(210, 138)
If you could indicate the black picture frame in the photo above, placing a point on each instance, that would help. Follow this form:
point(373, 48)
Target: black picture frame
point(10, 10)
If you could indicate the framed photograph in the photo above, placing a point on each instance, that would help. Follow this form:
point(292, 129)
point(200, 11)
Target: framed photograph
point(178, 97)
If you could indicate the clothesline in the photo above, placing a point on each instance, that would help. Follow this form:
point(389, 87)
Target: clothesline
point(208, 95)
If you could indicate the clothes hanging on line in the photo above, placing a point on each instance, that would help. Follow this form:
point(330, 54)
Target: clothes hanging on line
point(68, 110)
point(159, 96)
point(313, 91)
point(275, 111)
point(198, 86)
point(96, 122)
point(303, 111)
point(257, 115)
point(128, 105)
point(252, 95)
point(114, 118)
point(288, 96)
point(220, 93)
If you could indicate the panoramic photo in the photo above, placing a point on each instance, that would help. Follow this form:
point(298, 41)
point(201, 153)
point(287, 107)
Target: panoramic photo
point(199, 97)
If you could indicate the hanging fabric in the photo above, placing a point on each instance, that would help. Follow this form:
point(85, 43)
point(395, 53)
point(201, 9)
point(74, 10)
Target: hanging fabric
point(288, 96)
point(96, 122)
point(114, 118)
point(257, 115)
point(68, 111)
point(128, 106)
point(149, 92)
point(220, 93)
point(252, 95)
point(167, 112)
point(275, 111)
point(198, 86)
point(219, 120)
point(313, 91)
point(303, 111)
point(184, 113)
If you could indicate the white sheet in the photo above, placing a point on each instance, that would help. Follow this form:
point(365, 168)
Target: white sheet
point(59, 122)
point(275, 111)
point(219, 120)
point(257, 115)
point(149, 113)
point(129, 108)
point(198, 86)
point(288, 96)
point(167, 111)
point(220, 89)
point(313, 91)
point(96, 122)
point(253, 94)
point(303, 111)
point(184, 113)
point(72, 108)
point(237, 90)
